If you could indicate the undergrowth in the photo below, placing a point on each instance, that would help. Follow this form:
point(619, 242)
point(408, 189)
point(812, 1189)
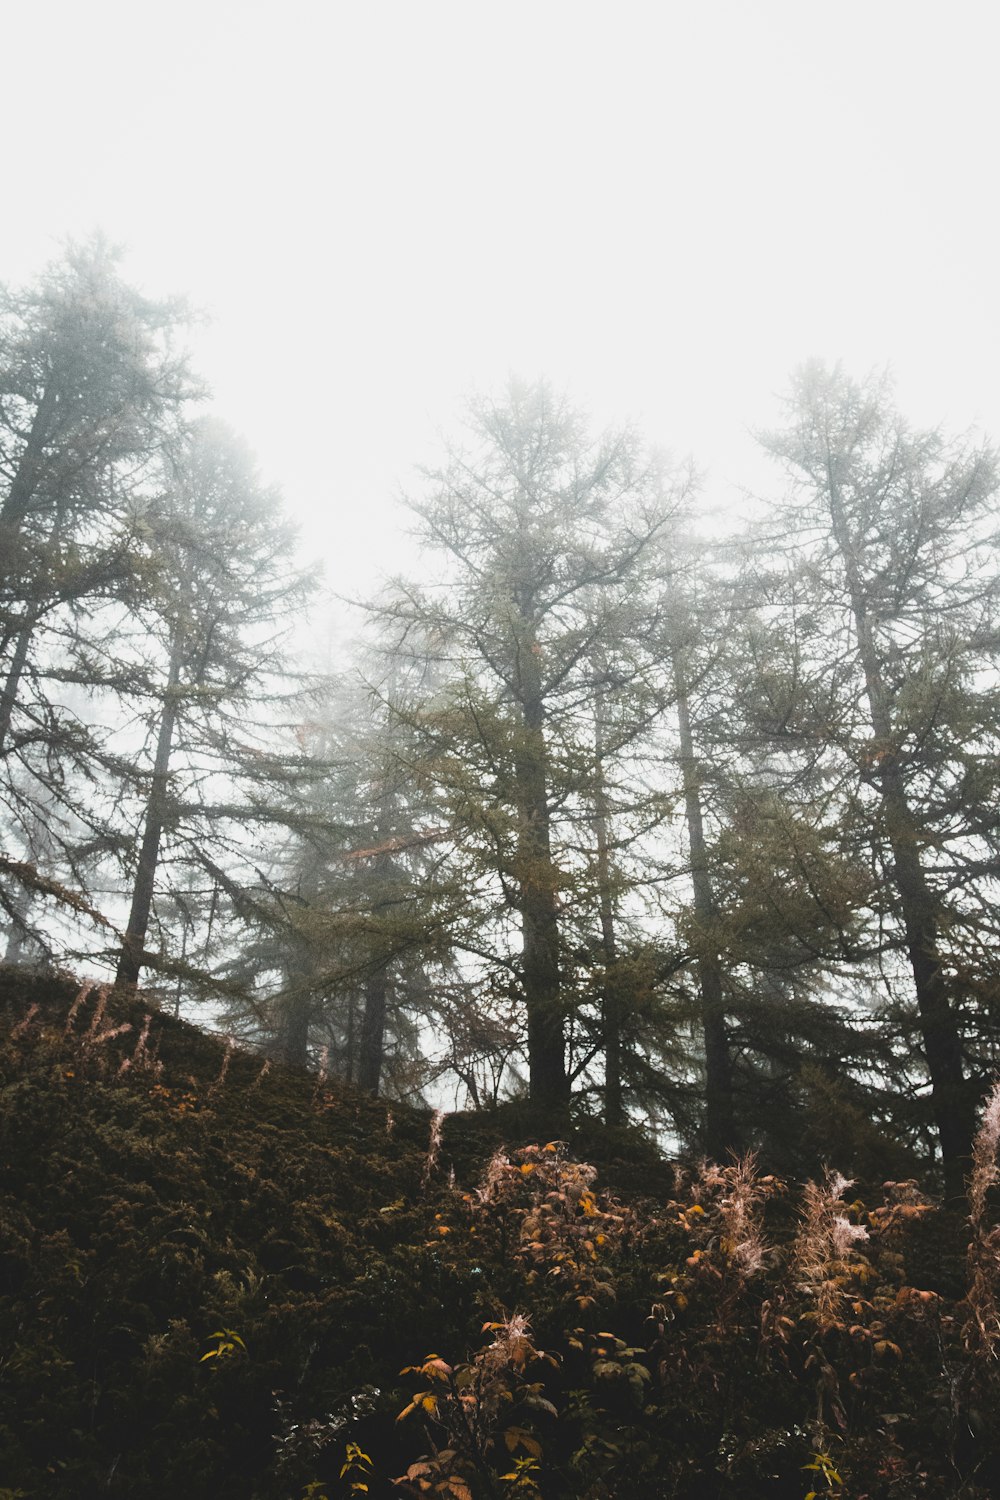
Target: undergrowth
point(219, 1277)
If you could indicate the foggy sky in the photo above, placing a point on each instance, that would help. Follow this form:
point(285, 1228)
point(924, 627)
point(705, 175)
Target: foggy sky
point(663, 207)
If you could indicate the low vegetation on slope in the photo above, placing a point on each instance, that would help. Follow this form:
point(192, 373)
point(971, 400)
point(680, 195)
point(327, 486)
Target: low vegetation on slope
point(219, 1277)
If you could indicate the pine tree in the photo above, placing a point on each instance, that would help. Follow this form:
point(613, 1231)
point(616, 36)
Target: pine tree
point(340, 946)
point(761, 907)
point(544, 535)
point(226, 586)
point(90, 385)
point(879, 568)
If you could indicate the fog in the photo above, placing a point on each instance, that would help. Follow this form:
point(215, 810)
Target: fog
point(379, 207)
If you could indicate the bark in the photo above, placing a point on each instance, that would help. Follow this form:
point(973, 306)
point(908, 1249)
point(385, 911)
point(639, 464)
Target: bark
point(350, 1050)
point(720, 1124)
point(953, 1108)
point(8, 697)
point(15, 509)
point(548, 1081)
point(22, 489)
point(371, 1052)
point(19, 940)
point(130, 962)
point(294, 1040)
point(611, 995)
point(373, 1031)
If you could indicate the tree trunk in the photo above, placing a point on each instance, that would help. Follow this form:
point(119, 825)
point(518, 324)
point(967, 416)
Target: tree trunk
point(19, 937)
point(22, 487)
point(294, 1039)
point(371, 1051)
point(952, 1106)
point(350, 1033)
point(954, 1114)
point(8, 698)
point(720, 1125)
point(23, 946)
point(373, 1030)
point(611, 995)
point(536, 874)
point(131, 960)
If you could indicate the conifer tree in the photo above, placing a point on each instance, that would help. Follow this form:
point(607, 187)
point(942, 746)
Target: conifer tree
point(90, 386)
point(762, 907)
point(227, 584)
point(879, 569)
point(543, 535)
point(340, 946)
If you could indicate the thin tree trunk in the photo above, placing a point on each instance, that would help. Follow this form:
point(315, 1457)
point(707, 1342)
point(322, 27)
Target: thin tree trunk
point(296, 1013)
point(23, 946)
point(372, 1048)
point(294, 1042)
point(954, 1114)
point(371, 1053)
point(131, 960)
point(953, 1109)
point(22, 488)
point(611, 996)
point(350, 1048)
point(8, 697)
point(18, 938)
point(720, 1125)
point(548, 1081)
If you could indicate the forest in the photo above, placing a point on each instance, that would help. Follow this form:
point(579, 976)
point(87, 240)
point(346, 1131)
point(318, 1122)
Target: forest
point(626, 836)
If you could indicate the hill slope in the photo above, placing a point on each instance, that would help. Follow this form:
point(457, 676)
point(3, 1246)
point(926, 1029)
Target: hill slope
point(212, 1272)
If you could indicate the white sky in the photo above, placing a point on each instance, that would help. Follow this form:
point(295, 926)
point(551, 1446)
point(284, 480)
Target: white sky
point(663, 207)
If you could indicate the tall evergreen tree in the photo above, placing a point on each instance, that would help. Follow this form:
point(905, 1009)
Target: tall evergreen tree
point(882, 555)
point(760, 903)
point(226, 585)
point(543, 535)
point(341, 945)
point(90, 385)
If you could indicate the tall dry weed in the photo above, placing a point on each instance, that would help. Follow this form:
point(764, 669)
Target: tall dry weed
point(738, 1194)
point(982, 1327)
point(824, 1250)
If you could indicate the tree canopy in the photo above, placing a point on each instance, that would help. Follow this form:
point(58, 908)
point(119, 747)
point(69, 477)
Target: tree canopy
point(645, 817)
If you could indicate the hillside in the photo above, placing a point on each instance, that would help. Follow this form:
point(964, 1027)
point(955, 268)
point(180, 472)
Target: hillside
point(213, 1271)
